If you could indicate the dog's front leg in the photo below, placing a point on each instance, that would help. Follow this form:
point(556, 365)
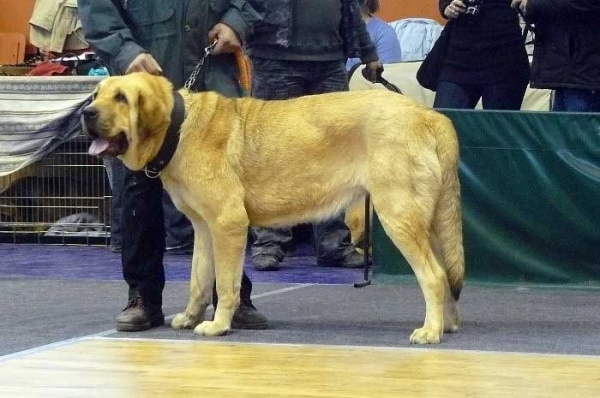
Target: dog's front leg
point(201, 280)
point(229, 243)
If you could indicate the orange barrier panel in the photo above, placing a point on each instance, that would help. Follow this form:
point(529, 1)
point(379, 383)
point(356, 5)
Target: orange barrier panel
point(12, 48)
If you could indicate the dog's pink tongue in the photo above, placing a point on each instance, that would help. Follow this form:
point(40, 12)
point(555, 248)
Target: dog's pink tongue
point(98, 146)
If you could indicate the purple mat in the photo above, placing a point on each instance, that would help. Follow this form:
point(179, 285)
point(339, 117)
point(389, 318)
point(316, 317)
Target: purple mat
point(99, 263)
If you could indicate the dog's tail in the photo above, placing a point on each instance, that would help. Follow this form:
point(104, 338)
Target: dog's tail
point(447, 222)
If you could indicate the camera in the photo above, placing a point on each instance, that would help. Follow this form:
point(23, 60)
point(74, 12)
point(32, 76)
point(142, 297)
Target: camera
point(473, 7)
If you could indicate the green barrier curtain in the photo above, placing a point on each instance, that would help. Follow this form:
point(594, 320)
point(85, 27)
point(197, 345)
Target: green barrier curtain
point(530, 195)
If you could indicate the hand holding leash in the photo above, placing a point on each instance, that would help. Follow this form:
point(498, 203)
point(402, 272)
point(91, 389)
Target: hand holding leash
point(226, 38)
point(372, 71)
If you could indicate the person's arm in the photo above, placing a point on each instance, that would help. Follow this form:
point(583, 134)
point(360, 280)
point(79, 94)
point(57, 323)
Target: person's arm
point(236, 24)
point(241, 17)
point(367, 51)
point(110, 37)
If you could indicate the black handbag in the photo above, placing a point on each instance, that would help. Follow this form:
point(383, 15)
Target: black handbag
point(431, 67)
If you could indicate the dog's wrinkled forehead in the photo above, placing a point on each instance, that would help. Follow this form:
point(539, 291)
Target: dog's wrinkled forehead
point(114, 88)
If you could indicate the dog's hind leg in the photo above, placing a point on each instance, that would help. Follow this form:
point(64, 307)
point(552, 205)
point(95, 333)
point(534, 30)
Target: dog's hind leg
point(447, 225)
point(406, 221)
point(229, 234)
point(201, 280)
point(447, 221)
point(451, 312)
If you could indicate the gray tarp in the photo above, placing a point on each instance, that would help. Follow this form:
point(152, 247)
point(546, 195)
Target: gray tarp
point(37, 114)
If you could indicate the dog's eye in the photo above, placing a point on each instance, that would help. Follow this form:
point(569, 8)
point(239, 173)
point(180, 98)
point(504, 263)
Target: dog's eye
point(119, 97)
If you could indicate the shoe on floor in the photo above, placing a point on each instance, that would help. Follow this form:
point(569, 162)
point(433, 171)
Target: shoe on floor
point(137, 316)
point(246, 317)
point(352, 260)
point(266, 262)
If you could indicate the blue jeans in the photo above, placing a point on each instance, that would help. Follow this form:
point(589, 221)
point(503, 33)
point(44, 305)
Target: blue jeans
point(278, 80)
point(508, 96)
point(576, 100)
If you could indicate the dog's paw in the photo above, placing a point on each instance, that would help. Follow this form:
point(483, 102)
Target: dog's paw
point(450, 327)
point(451, 318)
point(211, 328)
point(425, 336)
point(183, 321)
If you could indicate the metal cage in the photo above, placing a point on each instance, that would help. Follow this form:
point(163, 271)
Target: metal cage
point(63, 199)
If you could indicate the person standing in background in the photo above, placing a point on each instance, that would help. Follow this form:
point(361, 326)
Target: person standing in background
point(486, 57)
point(300, 48)
point(566, 54)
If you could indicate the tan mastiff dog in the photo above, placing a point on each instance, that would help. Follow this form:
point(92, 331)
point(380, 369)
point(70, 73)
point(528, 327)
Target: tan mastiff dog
point(242, 162)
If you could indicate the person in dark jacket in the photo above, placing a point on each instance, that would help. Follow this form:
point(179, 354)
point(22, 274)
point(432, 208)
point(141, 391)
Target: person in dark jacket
point(165, 37)
point(300, 48)
point(486, 57)
point(566, 55)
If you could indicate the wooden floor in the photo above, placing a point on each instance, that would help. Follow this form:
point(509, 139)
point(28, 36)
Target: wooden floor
point(152, 368)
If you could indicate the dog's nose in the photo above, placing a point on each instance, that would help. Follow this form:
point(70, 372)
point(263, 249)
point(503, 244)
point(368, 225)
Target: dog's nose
point(90, 113)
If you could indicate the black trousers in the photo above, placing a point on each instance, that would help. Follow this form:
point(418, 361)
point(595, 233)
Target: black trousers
point(144, 240)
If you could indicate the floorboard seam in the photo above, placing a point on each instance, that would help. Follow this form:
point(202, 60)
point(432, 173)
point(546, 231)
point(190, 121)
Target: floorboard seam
point(349, 347)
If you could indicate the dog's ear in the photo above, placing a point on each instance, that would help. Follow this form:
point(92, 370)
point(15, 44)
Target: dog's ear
point(154, 105)
point(150, 102)
point(133, 157)
point(134, 113)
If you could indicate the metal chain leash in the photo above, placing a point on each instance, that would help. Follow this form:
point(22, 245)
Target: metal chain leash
point(192, 79)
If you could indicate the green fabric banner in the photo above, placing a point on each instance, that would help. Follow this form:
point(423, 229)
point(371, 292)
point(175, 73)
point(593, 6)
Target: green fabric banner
point(531, 199)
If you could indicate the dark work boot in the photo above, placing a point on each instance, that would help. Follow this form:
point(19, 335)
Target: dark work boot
point(352, 260)
point(247, 317)
point(137, 316)
point(266, 262)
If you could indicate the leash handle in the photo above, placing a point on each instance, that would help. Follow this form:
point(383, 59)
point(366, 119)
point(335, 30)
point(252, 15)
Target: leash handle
point(244, 69)
point(382, 80)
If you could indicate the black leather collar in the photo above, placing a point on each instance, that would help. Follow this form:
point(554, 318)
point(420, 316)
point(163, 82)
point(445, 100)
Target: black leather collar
point(169, 145)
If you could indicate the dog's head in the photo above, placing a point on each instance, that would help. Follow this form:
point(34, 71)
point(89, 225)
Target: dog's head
point(129, 117)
